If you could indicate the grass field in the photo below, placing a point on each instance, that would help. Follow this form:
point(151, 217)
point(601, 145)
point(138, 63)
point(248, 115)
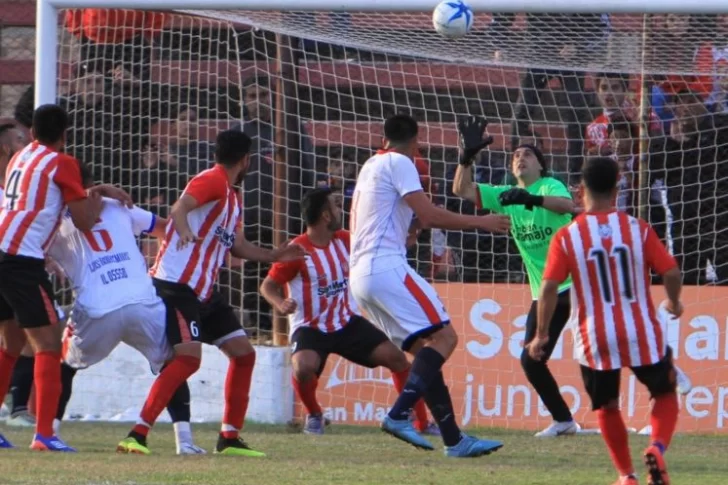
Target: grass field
point(345, 455)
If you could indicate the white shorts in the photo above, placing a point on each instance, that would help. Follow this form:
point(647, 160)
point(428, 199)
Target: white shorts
point(401, 303)
point(87, 341)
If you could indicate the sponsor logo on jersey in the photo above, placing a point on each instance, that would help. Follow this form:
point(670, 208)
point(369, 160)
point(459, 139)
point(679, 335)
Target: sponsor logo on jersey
point(532, 233)
point(226, 238)
point(333, 289)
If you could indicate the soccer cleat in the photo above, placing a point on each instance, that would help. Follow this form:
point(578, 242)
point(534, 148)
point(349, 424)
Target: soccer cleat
point(557, 429)
point(22, 419)
point(656, 468)
point(54, 443)
point(235, 447)
point(314, 425)
point(4, 443)
point(630, 480)
point(684, 385)
point(190, 449)
point(403, 430)
point(132, 445)
point(470, 447)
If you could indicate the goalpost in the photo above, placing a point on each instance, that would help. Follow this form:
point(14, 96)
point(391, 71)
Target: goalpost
point(313, 81)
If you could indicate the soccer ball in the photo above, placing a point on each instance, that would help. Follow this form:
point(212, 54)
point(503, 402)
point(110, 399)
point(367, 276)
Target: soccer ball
point(452, 18)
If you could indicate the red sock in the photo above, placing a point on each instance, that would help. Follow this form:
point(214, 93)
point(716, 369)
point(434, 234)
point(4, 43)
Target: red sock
point(237, 394)
point(164, 387)
point(663, 418)
point(7, 364)
point(400, 378)
point(615, 436)
point(47, 377)
point(306, 392)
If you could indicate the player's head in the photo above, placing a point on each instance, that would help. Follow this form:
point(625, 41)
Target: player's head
point(400, 133)
point(600, 176)
point(322, 207)
point(232, 150)
point(528, 163)
point(12, 140)
point(50, 123)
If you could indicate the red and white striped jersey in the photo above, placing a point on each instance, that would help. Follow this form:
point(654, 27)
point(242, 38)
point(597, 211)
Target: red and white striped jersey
point(215, 221)
point(609, 256)
point(39, 182)
point(319, 284)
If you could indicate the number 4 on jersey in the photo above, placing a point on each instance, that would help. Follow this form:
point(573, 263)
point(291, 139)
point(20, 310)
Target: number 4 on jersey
point(12, 189)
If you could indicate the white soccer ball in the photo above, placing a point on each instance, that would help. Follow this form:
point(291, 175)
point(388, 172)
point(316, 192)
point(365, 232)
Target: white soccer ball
point(452, 18)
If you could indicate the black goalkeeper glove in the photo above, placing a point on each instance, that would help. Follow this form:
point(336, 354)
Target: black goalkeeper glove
point(471, 133)
point(518, 196)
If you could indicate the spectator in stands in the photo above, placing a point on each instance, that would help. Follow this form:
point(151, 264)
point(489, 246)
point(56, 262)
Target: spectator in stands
point(553, 39)
point(718, 101)
point(689, 185)
point(623, 140)
point(612, 93)
point(259, 124)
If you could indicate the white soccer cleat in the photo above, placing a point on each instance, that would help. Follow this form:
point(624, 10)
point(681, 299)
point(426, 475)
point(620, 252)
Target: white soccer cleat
point(22, 419)
point(559, 429)
point(684, 384)
point(190, 449)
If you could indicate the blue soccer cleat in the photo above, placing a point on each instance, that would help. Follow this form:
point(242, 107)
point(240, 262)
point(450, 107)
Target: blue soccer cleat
point(53, 443)
point(4, 443)
point(403, 430)
point(470, 447)
point(314, 424)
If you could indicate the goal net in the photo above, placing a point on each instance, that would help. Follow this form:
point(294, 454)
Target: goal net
point(148, 93)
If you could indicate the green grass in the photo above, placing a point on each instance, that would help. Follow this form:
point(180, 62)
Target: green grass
point(345, 455)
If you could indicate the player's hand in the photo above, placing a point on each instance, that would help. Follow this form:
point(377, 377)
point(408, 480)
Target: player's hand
point(495, 223)
point(53, 268)
point(185, 238)
point(289, 252)
point(674, 308)
point(106, 190)
point(287, 306)
point(471, 133)
point(514, 196)
point(536, 348)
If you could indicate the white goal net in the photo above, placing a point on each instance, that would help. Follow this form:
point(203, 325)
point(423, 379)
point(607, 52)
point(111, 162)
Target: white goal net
point(148, 93)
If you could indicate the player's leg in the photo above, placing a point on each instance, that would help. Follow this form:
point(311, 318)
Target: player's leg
point(310, 350)
point(11, 344)
point(21, 385)
point(182, 317)
point(180, 412)
point(660, 380)
point(538, 373)
point(603, 389)
point(220, 326)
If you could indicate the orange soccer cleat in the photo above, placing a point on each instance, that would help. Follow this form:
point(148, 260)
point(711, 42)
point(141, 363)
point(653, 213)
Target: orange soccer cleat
point(656, 467)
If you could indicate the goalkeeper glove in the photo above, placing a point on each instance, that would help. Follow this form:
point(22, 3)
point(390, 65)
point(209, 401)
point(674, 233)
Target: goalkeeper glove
point(471, 133)
point(518, 196)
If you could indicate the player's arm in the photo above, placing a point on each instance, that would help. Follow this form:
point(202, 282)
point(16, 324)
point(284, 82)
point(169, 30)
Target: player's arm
point(660, 260)
point(556, 198)
point(272, 291)
point(111, 192)
point(146, 222)
point(244, 249)
point(471, 133)
point(180, 210)
point(83, 206)
point(463, 185)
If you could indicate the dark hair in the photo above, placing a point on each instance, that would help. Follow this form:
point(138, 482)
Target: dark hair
point(614, 76)
point(257, 81)
point(231, 147)
point(50, 123)
point(539, 156)
point(314, 203)
point(400, 129)
point(600, 175)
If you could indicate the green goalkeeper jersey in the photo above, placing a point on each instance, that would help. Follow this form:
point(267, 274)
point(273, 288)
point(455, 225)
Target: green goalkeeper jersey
point(532, 229)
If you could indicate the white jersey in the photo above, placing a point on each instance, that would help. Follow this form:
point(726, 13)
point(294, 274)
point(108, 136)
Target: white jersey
point(380, 217)
point(105, 266)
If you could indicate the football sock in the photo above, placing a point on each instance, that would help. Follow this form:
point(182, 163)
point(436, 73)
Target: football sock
point(21, 383)
point(47, 376)
point(439, 401)
point(179, 406)
point(538, 374)
point(615, 436)
point(67, 375)
point(400, 378)
point(164, 387)
point(7, 363)
point(237, 394)
point(426, 365)
point(306, 392)
point(663, 419)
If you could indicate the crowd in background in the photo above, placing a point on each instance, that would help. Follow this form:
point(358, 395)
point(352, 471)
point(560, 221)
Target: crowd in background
point(142, 134)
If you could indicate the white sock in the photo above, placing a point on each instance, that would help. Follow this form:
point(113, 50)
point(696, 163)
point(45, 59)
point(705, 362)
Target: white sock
point(182, 432)
point(56, 426)
point(227, 427)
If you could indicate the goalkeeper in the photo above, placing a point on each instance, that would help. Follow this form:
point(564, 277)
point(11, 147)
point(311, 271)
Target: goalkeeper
point(539, 206)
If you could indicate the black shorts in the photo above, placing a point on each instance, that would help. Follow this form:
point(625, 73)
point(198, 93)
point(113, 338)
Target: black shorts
point(602, 386)
point(355, 342)
point(26, 292)
point(190, 320)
